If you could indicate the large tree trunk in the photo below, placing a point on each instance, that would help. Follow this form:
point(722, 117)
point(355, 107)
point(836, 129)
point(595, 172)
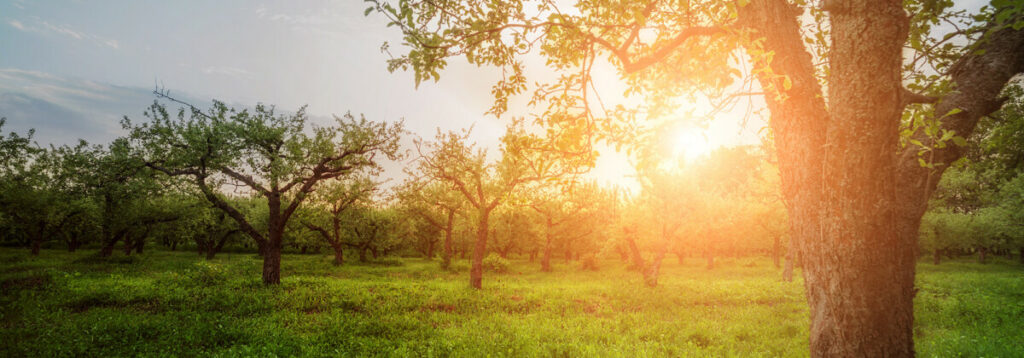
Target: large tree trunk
point(476, 271)
point(272, 263)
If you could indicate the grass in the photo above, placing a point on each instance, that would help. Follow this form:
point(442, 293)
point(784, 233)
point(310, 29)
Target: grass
point(174, 304)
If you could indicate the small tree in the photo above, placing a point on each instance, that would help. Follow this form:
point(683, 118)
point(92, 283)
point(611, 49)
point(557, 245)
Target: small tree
point(326, 216)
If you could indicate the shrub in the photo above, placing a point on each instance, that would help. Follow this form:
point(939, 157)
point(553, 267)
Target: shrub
point(495, 263)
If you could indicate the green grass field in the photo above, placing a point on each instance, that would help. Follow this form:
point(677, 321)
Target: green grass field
point(174, 304)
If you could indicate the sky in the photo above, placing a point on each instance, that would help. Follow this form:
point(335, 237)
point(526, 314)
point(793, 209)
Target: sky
point(73, 69)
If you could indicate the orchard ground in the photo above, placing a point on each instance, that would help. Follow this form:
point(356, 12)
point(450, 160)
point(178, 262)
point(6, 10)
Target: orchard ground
point(173, 303)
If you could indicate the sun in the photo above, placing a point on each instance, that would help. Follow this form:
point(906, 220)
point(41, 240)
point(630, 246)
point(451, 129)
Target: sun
point(690, 144)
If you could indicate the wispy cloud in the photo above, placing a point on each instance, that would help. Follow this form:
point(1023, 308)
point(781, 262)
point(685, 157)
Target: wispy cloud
point(324, 21)
point(44, 27)
point(17, 24)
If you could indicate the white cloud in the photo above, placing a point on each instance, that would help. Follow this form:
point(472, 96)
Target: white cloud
point(43, 27)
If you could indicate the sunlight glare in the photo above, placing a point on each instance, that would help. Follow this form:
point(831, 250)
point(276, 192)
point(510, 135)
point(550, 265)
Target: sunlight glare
point(690, 144)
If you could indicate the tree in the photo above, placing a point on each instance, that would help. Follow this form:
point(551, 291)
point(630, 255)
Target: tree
point(328, 213)
point(560, 205)
point(274, 156)
point(484, 185)
point(854, 196)
point(437, 204)
point(372, 230)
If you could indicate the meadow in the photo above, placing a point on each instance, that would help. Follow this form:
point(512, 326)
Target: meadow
point(166, 303)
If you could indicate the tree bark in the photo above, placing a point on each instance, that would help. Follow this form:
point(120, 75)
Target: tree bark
point(35, 246)
point(982, 253)
point(479, 250)
point(339, 254)
point(272, 264)
point(936, 257)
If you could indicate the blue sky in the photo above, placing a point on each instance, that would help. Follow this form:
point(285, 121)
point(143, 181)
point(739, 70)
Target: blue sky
point(72, 68)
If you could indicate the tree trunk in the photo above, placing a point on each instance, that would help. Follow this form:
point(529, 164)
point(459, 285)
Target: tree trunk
point(362, 254)
point(128, 245)
point(449, 227)
point(638, 260)
point(651, 274)
point(858, 265)
point(339, 254)
point(430, 249)
point(936, 256)
point(777, 251)
point(272, 264)
point(139, 245)
point(174, 246)
point(73, 242)
point(982, 251)
point(476, 271)
point(545, 259)
point(35, 246)
point(1022, 255)
point(680, 257)
point(108, 246)
point(302, 249)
